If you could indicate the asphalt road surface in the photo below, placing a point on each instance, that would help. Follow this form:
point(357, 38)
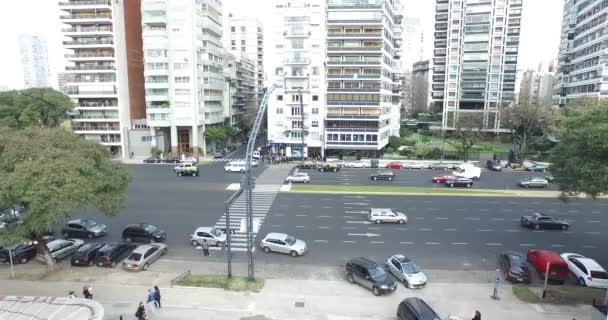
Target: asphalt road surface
point(421, 178)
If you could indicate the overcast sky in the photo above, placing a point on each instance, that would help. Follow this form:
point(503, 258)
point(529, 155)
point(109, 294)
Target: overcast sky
point(539, 42)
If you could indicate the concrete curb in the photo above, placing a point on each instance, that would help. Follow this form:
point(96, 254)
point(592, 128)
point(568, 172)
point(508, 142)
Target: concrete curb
point(497, 193)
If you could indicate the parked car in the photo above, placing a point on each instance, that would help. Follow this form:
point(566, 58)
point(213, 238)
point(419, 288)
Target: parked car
point(406, 271)
point(534, 183)
point(235, 166)
point(558, 269)
point(415, 308)
point(152, 160)
point(186, 169)
point(308, 165)
point(21, 253)
point(541, 221)
point(143, 232)
point(359, 164)
point(328, 167)
point(111, 255)
point(189, 160)
point(467, 170)
point(298, 177)
point(85, 255)
point(339, 163)
point(439, 166)
point(170, 160)
point(383, 215)
point(587, 271)
point(141, 258)
point(394, 165)
point(256, 155)
point(218, 155)
point(83, 228)
point(382, 175)
point(414, 165)
point(514, 267)
point(283, 243)
point(536, 167)
point(552, 179)
point(494, 165)
point(370, 275)
point(459, 182)
point(443, 179)
point(62, 248)
point(214, 237)
point(11, 214)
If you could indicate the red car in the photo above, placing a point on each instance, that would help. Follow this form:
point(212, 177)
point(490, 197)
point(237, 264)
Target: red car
point(442, 179)
point(394, 165)
point(558, 268)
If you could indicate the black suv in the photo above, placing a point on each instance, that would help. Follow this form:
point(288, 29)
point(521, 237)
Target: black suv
point(85, 255)
point(370, 275)
point(22, 253)
point(143, 232)
point(416, 309)
point(382, 175)
point(111, 254)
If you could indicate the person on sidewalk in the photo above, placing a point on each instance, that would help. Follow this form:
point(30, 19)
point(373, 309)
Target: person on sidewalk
point(477, 315)
point(140, 314)
point(151, 302)
point(86, 292)
point(157, 296)
point(205, 247)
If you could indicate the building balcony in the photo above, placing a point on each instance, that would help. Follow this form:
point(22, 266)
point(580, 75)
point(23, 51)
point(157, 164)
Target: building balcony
point(332, 130)
point(87, 4)
point(354, 63)
point(295, 61)
point(296, 34)
point(149, 19)
point(156, 72)
point(88, 69)
point(82, 18)
point(334, 103)
point(109, 43)
point(89, 56)
point(92, 94)
point(157, 97)
point(354, 90)
point(76, 81)
point(350, 49)
point(338, 35)
point(353, 76)
point(365, 145)
point(360, 22)
point(96, 106)
point(157, 84)
point(87, 30)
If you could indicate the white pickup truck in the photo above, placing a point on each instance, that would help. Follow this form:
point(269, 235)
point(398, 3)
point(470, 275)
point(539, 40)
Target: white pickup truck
point(467, 170)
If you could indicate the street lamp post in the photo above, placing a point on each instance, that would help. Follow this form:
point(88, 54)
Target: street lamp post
point(302, 125)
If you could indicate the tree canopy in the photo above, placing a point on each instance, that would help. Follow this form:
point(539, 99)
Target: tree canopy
point(36, 107)
point(467, 132)
point(580, 159)
point(52, 173)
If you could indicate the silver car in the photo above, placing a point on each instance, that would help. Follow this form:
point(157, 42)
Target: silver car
point(299, 177)
point(62, 248)
point(406, 271)
point(534, 183)
point(384, 215)
point(141, 258)
point(283, 243)
point(213, 236)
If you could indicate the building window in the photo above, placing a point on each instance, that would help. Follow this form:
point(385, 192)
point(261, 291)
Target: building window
point(279, 110)
point(233, 43)
point(232, 29)
point(297, 44)
point(279, 97)
point(182, 79)
point(315, 110)
point(295, 111)
point(295, 98)
point(315, 124)
point(278, 71)
point(315, 98)
point(182, 92)
point(296, 135)
point(315, 71)
point(243, 42)
point(243, 29)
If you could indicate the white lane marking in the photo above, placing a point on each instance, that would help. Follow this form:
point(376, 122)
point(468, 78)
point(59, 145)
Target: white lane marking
point(305, 206)
point(279, 214)
point(419, 218)
point(493, 202)
point(589, 247)
point(301, 215)
point(484, 230)
point(425, 229)
point(323, 227)
point(406, 242)
point(507, 210)
point(557, 245)
point(328, 199)
point(595, 211)
point(324, 217)
point(349, 241)
point(349, 216)
point(449, 229)
point(355, 212)
point(493, 244)
point(527, 245)
point(348, 228)
point(498, 219)
point(377, 242)
point(359, 222)
point(432, 209)
point(357, 203)
point(511, 230)
point(373, 228)
point(299, 226)
point(573, 211)
point(471, 218)
point(592, 232)
point(441, 218)
point(402, 229)
point(484, 209)
point(356, 197)
point(538, 308)
point(326, 207)
point(538, 231)
point(432, 243)
point(323, 241)
point(276, 225)
point(460, 243)
point(459, 209)
point(593, 221)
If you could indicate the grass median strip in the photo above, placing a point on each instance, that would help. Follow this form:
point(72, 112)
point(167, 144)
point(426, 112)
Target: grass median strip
point(235, 283)
point(392, 190)
point(525, 295)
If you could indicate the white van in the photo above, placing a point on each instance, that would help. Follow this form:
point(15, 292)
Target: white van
point(467, 170)
point(256, 155)
point(235, 166)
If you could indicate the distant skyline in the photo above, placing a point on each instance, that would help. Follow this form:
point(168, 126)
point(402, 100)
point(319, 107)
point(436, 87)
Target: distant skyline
point(541, 27)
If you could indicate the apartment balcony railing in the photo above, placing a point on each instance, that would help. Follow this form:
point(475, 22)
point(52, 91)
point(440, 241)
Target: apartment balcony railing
point(352, 117)
point(329, 63)
point(75, 68)
point(85, 16)
point(91, 92)
point(353, 89)
point(295, 34)
point(96, 128)
point(352, 143)
point(352, 34)
point(86, 3)
point(109, 140)
point(88, 117)
point(96, 105)
point(352, 103)
point(83, 80)
point(88, 29)
point(88, 55)
point(354, 21)
point(354, 48)
point(352, 129)
point(87, 42)
point(297, 61)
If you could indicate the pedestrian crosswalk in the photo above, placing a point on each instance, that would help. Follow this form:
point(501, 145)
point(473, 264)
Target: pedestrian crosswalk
point(263, 197)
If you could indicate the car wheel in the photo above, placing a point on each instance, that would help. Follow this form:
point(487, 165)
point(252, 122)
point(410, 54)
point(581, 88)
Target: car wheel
point(289, 181)
point(195, 243)
point(293, 253)
point(179, 174)
point(350, 278)
point(23, 260)
point(401, 221)
point(90, 235)
point(376, 291)
point(536, 226)
point(194, 174)
point(242, 171)
point(390, 179)
point(582, 282)
point(564, 227)
point(377, 221)
point(405, 284)
point(468, 185)
point(127, 239)
point(267, 250)
point(145, 267)
point(375, 178)
point(164, 252)
point(335, 170)
point(113, 264)
point(66, 235)
point(451, 185)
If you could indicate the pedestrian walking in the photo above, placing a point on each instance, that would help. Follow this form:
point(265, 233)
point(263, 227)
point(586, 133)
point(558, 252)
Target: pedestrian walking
point(71, 295)
point(87, 292)
point(205, 247)
point(477, 315)
point(151, 302)
point(157, 296)
point(140, 314)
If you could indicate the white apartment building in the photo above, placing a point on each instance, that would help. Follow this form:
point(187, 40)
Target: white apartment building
point(96, 71)
point(244, 37)
point(239, 89)
point(582, 71)
point(363, 70)
point(475, 58)
point(184, 79)
point(34, 61)
point(296, 65)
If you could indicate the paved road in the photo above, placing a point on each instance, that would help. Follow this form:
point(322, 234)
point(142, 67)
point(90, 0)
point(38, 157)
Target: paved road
point(421, 178)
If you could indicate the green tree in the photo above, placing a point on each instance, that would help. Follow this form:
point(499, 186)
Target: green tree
point(394, 142)
point(53, 173)
point(467, 132)
point(36, 107)
point(215, 135)
point(580, 159)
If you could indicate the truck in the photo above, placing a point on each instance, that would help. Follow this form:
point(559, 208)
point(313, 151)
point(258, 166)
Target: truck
point(50, 308)
point(467, 170)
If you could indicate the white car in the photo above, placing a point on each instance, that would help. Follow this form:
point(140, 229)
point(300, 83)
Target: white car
point(414, 165)
point(359, 164)
point(214, 236)
point(190, 160)
point(256, 155)
point(283, 243)
point(406, 271)
point(235, 166)
point(382, 215)
point(298, 177)
point(588, 272)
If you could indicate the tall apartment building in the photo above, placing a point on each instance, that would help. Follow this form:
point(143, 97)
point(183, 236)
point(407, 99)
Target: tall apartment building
point(103, 69)
point(475, 58)
point(34, 61)
point(244, 37)
point(296, 107)
point(239, 89)
point(536, 87)
point(421, 84)
point(582, 71)
point(184, 77)
point(363, 66)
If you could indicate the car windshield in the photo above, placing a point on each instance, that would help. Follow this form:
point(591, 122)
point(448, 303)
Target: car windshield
point(150, 228)
point(517, 261)
point(89, 224)
point(134, 256)
point(377, 273)
point(290, 240)
point(216, 232)
point(410, 268)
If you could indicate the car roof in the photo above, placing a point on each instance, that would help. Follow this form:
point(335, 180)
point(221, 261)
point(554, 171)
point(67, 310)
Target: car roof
point(551, 256)
point(143, 248)
point(364, 262)
point(401, 258)
point(538, 214)
point(139, 225)
point(590, 264)
point(423, 310)
point(203, 229)
point(380, 209)
point(276, 235)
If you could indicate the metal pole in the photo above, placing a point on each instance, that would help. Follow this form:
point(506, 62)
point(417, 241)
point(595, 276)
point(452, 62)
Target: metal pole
point(10, 257)
point(229, 203)
point(546, 279)
point(496, 286)
point(302, 114)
